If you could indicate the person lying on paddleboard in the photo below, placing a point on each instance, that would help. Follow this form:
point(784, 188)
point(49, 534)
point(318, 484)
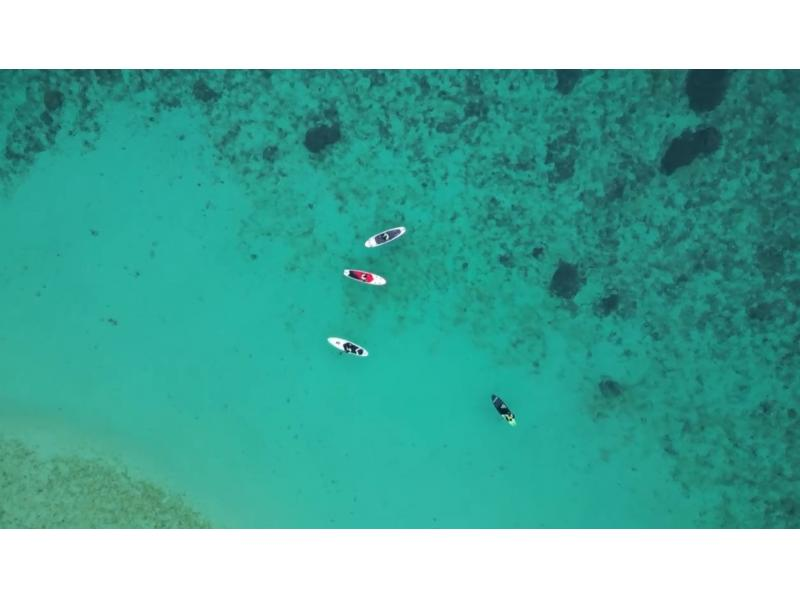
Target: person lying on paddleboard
point(351, 348)
point(503, 410)
point(365, 276)
point(388, 235)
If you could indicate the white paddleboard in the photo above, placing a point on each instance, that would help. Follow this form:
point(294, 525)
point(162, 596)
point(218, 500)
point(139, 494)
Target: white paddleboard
point(340, 342)
point(378, 240)
point(365, 277)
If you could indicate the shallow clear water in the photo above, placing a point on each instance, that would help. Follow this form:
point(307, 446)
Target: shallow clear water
point(171, 256)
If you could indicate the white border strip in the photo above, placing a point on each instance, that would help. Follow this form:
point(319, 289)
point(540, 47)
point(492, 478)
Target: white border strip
point(409, 34)
point(398, 563)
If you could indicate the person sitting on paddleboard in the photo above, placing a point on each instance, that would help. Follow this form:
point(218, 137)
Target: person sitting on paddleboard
point(366, 277)
point(503, 410)
point(351, 348)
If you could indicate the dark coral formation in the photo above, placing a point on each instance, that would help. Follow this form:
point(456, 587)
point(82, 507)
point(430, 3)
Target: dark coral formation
point(610, 398)
point(108, 76)
point(204, 93)
point(688, 146)
point(320, 137)
point(22, 146)
point(567, 79)
point(764, 311)
point(706, 89)
point(753, 459)
point(562, 151)
point(607, 305)
point(615, 190)
point(53, 100)
point(566, 281)
point(770, 261)
point(476, 109)
point(610, 388)
point(376, 78)
point(269, 153)
point(42, 116)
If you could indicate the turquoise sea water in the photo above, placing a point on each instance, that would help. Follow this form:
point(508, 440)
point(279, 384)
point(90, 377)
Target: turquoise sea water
point(614, 257)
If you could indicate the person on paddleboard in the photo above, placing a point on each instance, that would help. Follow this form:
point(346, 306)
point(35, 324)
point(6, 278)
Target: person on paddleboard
point(365, 277)
point(351, 348)
point(503, 410)
point(387, 236)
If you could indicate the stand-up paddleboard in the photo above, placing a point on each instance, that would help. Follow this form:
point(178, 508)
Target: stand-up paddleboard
point(347, 346)
point(387, 236)
point(503, 410)
point(365, 277)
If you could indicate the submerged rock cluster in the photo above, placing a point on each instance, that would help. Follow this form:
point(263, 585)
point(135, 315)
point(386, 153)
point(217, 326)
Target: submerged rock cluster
point(688, 146)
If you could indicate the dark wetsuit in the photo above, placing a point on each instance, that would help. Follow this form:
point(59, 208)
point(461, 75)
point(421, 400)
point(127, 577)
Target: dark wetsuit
point(501, 407)
point(351, 348)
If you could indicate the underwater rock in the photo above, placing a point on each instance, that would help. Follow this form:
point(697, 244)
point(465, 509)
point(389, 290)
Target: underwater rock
point(562, 151)
point(706, 89)
point(688, 146)
point(448, 125)
point(610, 388)
point(203, 92)
point(108, 76)
point(318, 138)
point(763, 311)
point(607, 305)
point(668, 445)
point(566, 280)
point(472, 85)
point(23, 144)
point(615, 190)
point(770, 261)
point(477, 109)
point(270, 153)
point(567, 79)
point(376, 78)
point(793, 291)
point(53, 100)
